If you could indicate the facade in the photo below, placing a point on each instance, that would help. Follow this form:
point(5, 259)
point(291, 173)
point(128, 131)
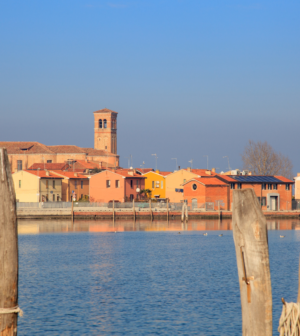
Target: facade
point(23, 155)
point(37, 186)
point(156, 182)
point(201, 190)
point(174, 182)
point(74, 185)
point(118, 185)
point(297, 186)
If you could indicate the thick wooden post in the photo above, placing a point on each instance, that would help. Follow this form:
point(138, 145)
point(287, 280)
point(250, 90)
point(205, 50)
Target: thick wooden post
point(182, 212)
point(113, 210)
point(8, 248)
point(186, 212)
point(252, 254)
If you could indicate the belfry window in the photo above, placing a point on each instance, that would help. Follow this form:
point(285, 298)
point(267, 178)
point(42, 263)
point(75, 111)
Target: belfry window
point(100, 123)
point(105, 123)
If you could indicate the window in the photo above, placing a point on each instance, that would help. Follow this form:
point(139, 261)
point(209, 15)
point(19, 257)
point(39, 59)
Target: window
point(57, 198)
point(53, 198)
point(263, 186)
point(157, 184)
point(75, 184)
point(81, 196)
point(81, 184)
point(19, 163)
point(232, 185)
point(117, 184)
point(100, 123)
point(263, 201)
point(275, 186)
point(239, 185)
point(20, 183)
point(131, 197)
point(184, 180)
point(107, 183)
point(194, 186)
point(105, 123)
point(287, 187)
point(269, 186)
point(152, 184)
point(162, 184)
point(53, 184)
point(131, 184)
point(49, 161)
point(47, 184)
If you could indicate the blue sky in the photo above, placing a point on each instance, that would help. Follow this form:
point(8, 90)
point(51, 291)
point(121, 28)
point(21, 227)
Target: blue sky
point(188, 78)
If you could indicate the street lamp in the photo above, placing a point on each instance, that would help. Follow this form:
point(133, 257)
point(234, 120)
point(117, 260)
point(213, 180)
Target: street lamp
point(176, 163)
point(228, 161)
point(207, 160)
point(155, 161)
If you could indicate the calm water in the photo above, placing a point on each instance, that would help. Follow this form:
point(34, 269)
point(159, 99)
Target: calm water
point(146, 279)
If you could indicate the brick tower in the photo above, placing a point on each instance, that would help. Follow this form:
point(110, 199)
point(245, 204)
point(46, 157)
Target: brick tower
point(105, 130)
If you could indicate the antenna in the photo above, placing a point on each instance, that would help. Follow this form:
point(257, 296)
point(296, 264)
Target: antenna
point(228, 161)
point(191, 161)
point(207, 160)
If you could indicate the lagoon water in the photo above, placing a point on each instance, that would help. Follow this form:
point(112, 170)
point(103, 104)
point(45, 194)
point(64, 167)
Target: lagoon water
point(145, 279)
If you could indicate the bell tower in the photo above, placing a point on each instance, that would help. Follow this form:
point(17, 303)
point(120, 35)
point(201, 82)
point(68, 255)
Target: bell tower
point(105, 130)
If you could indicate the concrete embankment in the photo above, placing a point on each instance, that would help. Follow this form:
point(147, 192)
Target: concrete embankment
point(104, 213)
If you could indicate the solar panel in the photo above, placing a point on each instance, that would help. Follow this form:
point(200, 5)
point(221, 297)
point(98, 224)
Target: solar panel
point(256, 179)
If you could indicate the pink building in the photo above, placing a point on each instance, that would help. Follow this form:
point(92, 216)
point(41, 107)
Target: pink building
point(118, 185)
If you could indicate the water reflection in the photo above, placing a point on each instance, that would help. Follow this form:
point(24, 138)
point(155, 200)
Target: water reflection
point(51, 226)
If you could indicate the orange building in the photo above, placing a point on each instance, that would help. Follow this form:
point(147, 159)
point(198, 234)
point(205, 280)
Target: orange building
point(74, 185)
point(23, 155)
point(119, 185)
point(207, 189)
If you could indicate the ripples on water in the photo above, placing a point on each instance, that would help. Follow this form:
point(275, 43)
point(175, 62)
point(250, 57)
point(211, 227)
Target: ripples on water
point(146, 279)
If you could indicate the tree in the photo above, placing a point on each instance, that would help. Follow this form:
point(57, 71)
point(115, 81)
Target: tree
point(261, 159)
point(146, 192)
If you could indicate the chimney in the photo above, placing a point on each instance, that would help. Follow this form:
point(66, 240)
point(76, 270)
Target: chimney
point(157, 171)
point(76, 174)
point(130, 172)
point(189, 169)
point(298, 174)
point(208, 172)
point(47, 172)
point(178, 167)
point(213, 170)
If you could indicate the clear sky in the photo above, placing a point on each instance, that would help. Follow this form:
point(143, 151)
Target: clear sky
point(188, 77)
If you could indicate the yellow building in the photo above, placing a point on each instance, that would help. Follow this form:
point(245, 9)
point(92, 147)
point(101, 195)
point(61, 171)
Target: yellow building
point(37, 186)
point(156, 182)
point(174, 181)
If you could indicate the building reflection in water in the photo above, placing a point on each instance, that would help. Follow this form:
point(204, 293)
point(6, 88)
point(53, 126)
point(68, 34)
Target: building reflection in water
point(106, 226)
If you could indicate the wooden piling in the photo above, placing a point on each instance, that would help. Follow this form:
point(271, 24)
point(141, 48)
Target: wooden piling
point(133, 207)
point(182, 212)
point(72, 211)
point(252, 254)
point(113, 210)
point(8, 248)
point(167, 209)
point(186, 212)
point(150, 210)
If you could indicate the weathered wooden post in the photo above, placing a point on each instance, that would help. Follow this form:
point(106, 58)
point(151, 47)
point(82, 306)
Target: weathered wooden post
point(186, 212)
point(113, 210)
point(8, 250)
point(252, 254)
point(182, 212)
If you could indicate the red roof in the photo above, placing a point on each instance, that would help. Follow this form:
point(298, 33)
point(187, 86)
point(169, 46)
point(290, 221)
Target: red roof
point(164, 173)
point(42, 174)
point(70, 174)
point(207, 181)
point(202, 172)
point(25, 147)
point(226, 178)
point(49, 166)
point(105, 110)
point(284, 179)
point(62, 149)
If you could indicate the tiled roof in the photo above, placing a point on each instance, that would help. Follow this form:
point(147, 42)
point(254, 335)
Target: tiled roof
point(284, 179)
point(207, 181)
point(49, 166)
point(164, 173)
point(125, 173)
point(225, 178)
point(105, 110)
point(202, 172)
point(22, 147)
point(69, 174)
point(87, 165)
point(42, 173)
point(66, 149)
